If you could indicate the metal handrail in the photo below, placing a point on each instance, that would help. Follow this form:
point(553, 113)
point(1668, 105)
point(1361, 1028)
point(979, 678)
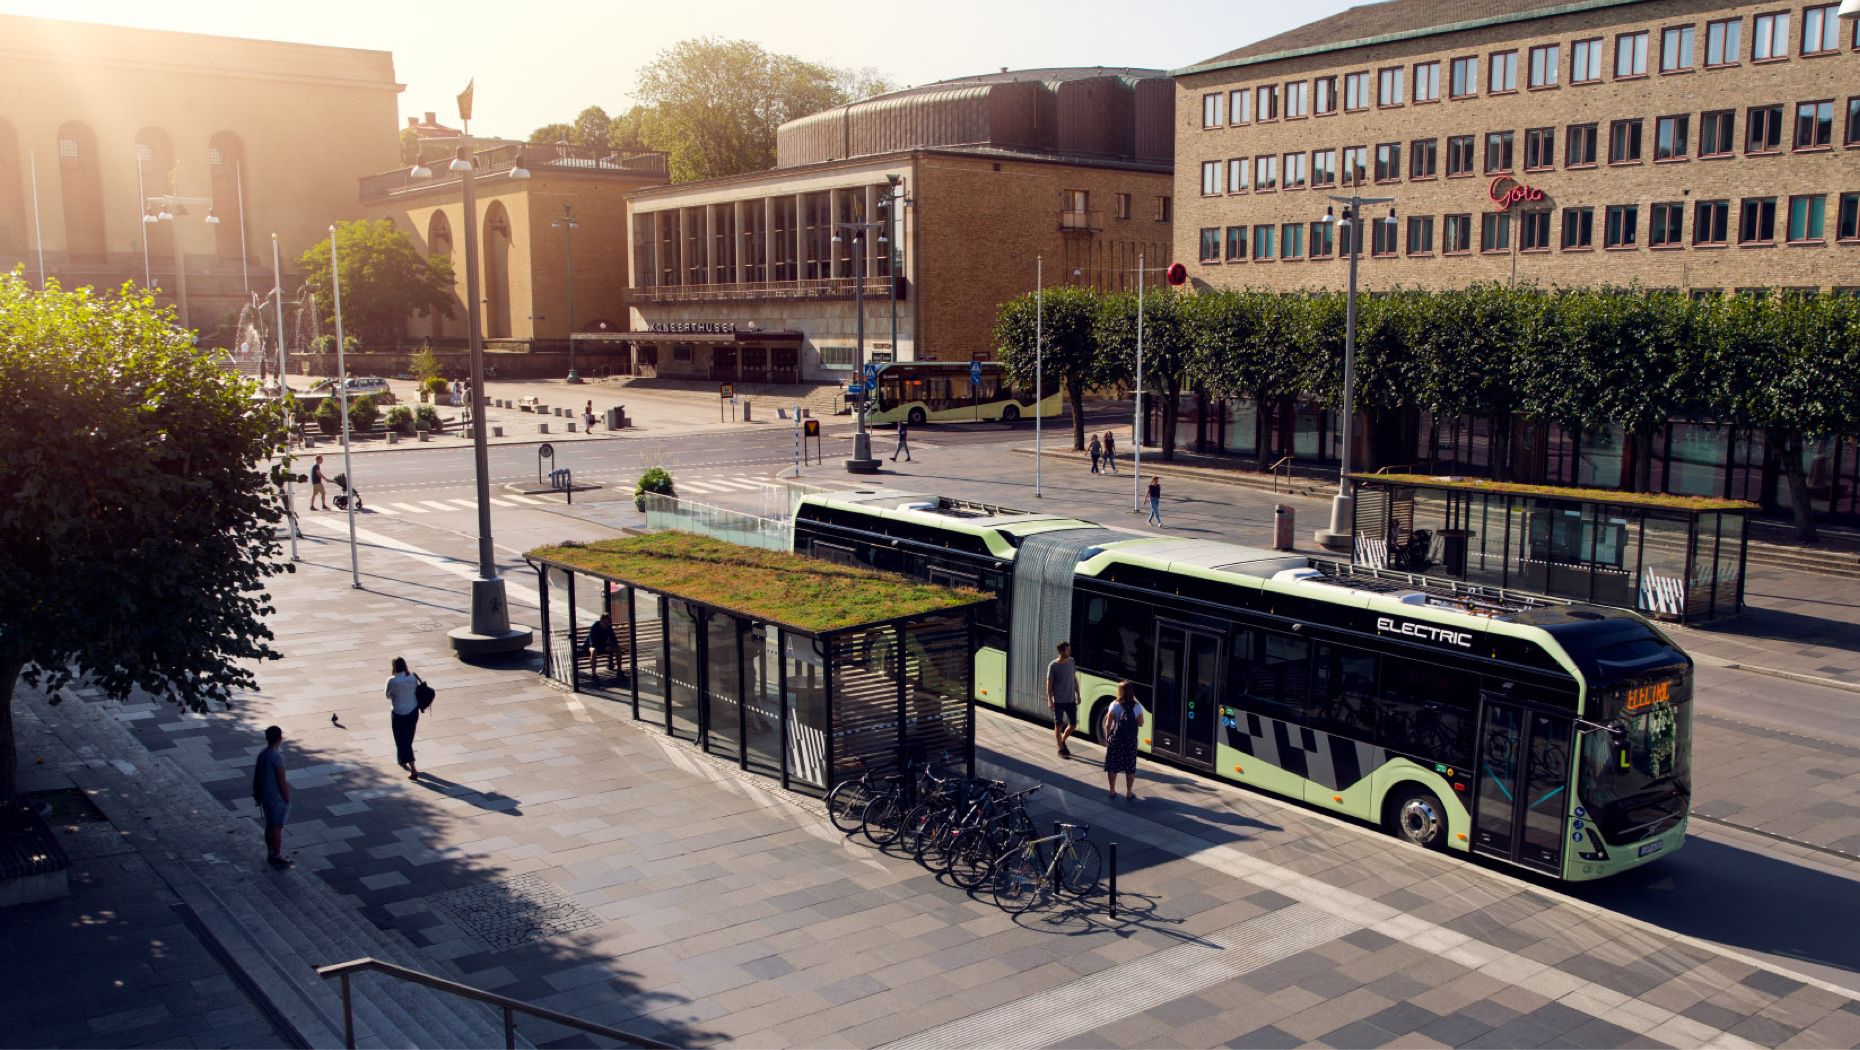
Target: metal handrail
point(1274, 471)
point(511, 1007)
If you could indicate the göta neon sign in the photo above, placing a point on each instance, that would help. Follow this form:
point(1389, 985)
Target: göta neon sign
point(1506, 191)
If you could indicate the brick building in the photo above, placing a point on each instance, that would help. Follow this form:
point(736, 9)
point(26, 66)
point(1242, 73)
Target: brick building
point(969, 180)
point(1693, 144)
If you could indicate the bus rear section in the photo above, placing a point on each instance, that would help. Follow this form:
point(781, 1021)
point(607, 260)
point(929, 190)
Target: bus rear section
point(918, 392)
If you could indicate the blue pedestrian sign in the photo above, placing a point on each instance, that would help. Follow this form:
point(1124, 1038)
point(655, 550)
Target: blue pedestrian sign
point(871, 372)
point(975, 373)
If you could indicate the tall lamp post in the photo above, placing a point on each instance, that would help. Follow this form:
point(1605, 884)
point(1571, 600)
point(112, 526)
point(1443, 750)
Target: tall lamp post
point(166, 207)
point(1340, 535)
point(567, 225)
point(490, 631)
point(862, 461)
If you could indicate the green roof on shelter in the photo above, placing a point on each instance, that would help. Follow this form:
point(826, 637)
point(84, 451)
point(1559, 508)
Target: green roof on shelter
point(1651, 500)
point(788, 590)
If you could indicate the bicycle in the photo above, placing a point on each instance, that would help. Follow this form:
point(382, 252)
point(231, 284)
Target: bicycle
point(884, 814)
point(847, 801)
point(1026, 876)
point(972, 863)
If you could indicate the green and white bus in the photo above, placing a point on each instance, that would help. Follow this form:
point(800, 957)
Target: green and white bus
point(1549, 736)
point(921, 392)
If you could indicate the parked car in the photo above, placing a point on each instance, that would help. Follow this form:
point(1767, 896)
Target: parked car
point(360, 386)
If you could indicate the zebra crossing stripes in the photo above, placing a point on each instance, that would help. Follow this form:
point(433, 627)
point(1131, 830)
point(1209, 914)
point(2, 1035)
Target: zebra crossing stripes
point(468, 504)
point(436, 505)
point(525, 499)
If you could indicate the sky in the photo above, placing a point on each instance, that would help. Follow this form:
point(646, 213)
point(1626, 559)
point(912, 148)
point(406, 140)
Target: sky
point(541, 62)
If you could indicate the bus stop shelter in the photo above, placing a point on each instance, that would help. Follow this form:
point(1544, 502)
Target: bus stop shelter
point(1678, 558)
point(791, 667)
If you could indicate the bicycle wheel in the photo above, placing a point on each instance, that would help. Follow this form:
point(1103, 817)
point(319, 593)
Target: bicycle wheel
point(911, 832)
point(1079, 867)
point(846, 805)
point(971, 867)
point(883, 816)
point(1017, 880)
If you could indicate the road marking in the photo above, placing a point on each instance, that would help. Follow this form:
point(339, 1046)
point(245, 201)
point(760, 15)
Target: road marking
point(699, 486)
point(384, 508)
point(407, 508)
point(436, 505)
point(468, 504)
point(524, 499)
point(738, 483)
point(501, 502)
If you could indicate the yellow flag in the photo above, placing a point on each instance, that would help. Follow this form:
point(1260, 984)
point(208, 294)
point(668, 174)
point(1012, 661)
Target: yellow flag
point(465, 100)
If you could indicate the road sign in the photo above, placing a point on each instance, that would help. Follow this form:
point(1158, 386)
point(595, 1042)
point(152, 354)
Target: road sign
point(547, 451)
point(975, 373)
point(811, 427)
point(871, 371)
point(726, 391)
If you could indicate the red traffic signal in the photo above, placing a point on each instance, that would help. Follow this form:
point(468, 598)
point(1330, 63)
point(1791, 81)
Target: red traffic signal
point(1177, 273)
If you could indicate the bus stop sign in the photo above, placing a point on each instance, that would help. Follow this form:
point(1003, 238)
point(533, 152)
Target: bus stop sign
point(975, 373)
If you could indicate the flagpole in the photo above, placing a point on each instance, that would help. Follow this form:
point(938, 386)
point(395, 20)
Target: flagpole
point(284, 392)
point(38, 227)
point(342, 384)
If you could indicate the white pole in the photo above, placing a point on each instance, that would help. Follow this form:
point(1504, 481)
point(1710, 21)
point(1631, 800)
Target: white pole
point(38, 227)
point(342, 384)
point(1039, 363)
point(244, 271)
point(1136, 438)
point(277, 296)
point(142, 212)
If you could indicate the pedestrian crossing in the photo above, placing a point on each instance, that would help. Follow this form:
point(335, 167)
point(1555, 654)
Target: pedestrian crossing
point(698, 488)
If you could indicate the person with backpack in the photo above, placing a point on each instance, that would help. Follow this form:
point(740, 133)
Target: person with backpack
point(408, 695)
point(273, 795)
point(1123, 722)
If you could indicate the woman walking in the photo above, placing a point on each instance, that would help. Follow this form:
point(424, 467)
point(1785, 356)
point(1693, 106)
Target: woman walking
point(1096, 451)
point(1122, 723)
point(1110, 451)
point(401, 686)
point(1155, 500)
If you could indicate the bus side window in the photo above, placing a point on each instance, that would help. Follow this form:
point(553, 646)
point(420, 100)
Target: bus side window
point(1343, 692)
point(1427, 711)
point(1116, 641)
point(1276, 681)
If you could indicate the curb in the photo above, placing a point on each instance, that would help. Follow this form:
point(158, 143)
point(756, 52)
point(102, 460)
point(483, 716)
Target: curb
point(1212, 475)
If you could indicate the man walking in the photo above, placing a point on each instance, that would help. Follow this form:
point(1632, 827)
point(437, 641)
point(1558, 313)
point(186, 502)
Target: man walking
point(316, 485)
point(273, 795)
point(904, 442)
point(1062, 696)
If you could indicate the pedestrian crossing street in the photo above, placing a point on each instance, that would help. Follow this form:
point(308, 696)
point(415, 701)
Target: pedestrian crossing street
point(697, 487)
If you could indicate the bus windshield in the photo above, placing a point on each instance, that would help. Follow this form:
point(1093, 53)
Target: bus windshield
point(1637, 779)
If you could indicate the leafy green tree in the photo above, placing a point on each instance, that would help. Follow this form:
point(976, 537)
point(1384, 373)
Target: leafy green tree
point(592, 127)
point(550, 134)
point(424, 364)
point(385, 279)
point(135, 536)
point(1245, 346)
point(636, 129)
point(1168, 348)
point(1072, 360)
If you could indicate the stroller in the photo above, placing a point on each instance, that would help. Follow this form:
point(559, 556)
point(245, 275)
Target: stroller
point(344, 493)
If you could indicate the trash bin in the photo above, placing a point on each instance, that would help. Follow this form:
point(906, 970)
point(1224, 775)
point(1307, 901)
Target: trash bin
point(746, 408)
point(614, 417)
point(1282, 527)
point(1453, 545)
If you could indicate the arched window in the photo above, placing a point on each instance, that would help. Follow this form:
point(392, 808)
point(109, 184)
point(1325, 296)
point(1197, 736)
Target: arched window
point(496, 272)
point(439, 246)
point(80, 181)
point(15, 232)
point(226, 162)
point(155, 163)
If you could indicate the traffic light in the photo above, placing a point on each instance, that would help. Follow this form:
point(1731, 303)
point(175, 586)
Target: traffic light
point(1177, 274)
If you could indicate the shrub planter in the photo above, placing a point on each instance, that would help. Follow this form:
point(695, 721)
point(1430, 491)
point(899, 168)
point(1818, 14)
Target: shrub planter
point(426, 435)
point(33, 866)
point(393, 437)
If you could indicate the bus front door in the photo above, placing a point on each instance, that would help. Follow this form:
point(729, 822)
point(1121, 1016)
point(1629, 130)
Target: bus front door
point(1523, 780)
point(1186, 698)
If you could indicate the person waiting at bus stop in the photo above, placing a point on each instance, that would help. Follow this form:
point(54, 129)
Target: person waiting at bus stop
point(1062, 696)
point(603, 641)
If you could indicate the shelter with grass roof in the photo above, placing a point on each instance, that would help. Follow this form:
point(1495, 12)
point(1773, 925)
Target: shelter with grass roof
point(789, 666)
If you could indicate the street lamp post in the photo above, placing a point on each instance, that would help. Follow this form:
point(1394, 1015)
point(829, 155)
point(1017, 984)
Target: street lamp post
point(862, 461)
point(567, 225)
point(284, 392)
point(490, 631)
point(166, 207)
point(1340, 535)
point(349, 498)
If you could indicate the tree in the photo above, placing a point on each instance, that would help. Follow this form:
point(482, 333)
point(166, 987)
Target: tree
point(592, 128)
point(384, 279)
point(1244, 345)
point(1168, 349)
point(133, 549)
point(550, 134)
point(634, 130)
point(1068, 325)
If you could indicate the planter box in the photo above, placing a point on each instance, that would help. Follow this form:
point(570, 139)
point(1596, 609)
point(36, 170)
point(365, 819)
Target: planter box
point(33, 866)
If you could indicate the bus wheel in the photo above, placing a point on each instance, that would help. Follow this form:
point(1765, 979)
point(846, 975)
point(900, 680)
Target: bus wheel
point(1094, 730)
point(1010, 414)
point(917, 417)
point(1414, 814)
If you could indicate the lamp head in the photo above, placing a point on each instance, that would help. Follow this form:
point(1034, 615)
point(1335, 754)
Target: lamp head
point(165, 215)
point(419, 172)
point(461, 160)
point(212, 218)
point(518, 170)
point(1330, 215)
point(149, 216)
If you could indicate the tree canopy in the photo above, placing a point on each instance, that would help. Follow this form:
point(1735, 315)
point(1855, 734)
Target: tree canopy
point(385, 280)
point(135, 537)
point(1066, 320)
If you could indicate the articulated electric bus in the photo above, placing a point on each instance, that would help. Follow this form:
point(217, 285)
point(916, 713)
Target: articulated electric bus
point(940, 392)
point(1554, 737)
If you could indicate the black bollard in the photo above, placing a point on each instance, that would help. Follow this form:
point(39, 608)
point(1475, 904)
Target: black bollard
point(1113, 880)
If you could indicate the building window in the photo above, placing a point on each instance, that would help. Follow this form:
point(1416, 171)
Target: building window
point(1266, 173)
point(1669, 137)
point(1296, 95)
point(1814, 124)
point(1711, 221)
point(1292, 241)
point(1211, 178)
point(1763, 129)
point(1165, 209)
point(1663, 222)
point(1355, 165)
point(1294, 171)
point(1501, 72)
point(1534, 231)
point(1847, 223)
point(1723, 44)
point(1770, 40)
point(1497, 151)
point(1262, 243)
point(1240, 106)
point(1236, 243)
point(1631, 55)
point(1578, 229)
point(1539, 148)
point(1239, 171)
point(1456, 234)
point(1420, 235)
point(1620, 231)
point(1715, 130)
point(1210, 244)
point(1323, 167)
point(1624, 142)
point(1323, 239)
point(1580, 152)
point(1459, 155)
point(1853, 119)
point(1388, 162)
point(1821, 29)
point(1676, 49)
point(1120, 206)
point(1355, 91)
point(1465, 78)
point(1585, 61)
point(1756, 222)
point(1325, 91)
point(1495, 232)
point(1211, 109)
point(1268, 99)
point(1545, 59)
point(1423, 158)
point(1427, 82)
point(1382, 235)
point(1391, 86)
point(1805, 218)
